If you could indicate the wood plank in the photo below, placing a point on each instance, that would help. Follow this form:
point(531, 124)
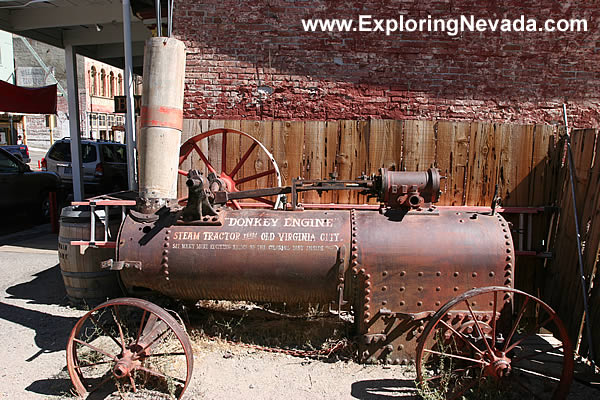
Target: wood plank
point(233, 145)
point(452, 160)
point(360, 164)
point(215, 143)
point(314, 157)
point(419, 145)
point(483, 164)
point(332, 130)
point(346, 155)
point(515, 155)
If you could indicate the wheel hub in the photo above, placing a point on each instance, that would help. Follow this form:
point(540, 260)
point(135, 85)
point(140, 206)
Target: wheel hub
point(126, 363)
point(499, 365)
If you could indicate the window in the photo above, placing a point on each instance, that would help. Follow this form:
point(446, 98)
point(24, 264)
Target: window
point(93, 82)
point(102, 120)
point(114, 153)
point(7, 165)
point(62, 152)
point(111, 85)
point(120, 85)
point(103, 82)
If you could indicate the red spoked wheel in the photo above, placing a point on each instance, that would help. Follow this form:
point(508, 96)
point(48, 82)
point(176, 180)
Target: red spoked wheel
point(515, 353)
point(129, 345)
point(233, 177)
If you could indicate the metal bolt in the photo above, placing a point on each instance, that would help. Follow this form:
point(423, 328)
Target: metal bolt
point(508, 258)
point(402, 288)
point(420, 288)
point(383, 288)
point(456, 288)
point(402, 273)
point(367, 291)
point(474, 274)
point(437, 289)
point(362, 270)
point(389, 348)
point(492, 274)
point(400, 347)
point(168, 231)
point(368, 276)
point(354, 263)
point(355, 271)
point(439, 273)
point(384, 273)
point(509, 265)
point(384, 302)
point(420, 273)
point(367, 307)
point(437, 303)
point(402, 302)
point(456, 273)
point(419, 303)
point(165, 252)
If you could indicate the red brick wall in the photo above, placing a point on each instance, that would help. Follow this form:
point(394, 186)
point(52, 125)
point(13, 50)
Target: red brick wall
point(236, 46)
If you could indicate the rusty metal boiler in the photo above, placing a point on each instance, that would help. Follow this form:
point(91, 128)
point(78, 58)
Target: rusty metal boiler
point(393, 267)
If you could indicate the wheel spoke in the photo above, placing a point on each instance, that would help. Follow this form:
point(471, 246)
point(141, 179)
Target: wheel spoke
point(204, 159)
point(454, 356)
point(165, 354)
point(137, 339)
point(487, 345)
point(93, 364)
point(182, 172)
point(160, 375)
point(101, 327)
point(224, 151)
point(96, 349)
point(514, 328)
point(255, 176)
point(243, 160)
point(132, 383)
point(116, 318)
point(460, 335)
point(518, 342)
point(236, 204)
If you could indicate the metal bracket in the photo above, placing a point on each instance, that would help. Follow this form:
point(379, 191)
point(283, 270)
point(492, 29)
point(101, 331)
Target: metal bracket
point(112, 265)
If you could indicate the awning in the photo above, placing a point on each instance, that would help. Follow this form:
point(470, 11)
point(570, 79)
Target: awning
point(19, 99)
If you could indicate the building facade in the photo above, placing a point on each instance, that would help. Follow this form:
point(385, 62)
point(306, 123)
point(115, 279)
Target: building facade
point(254, 60)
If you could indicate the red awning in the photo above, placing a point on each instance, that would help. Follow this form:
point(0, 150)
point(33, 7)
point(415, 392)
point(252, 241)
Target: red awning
point(19, 99)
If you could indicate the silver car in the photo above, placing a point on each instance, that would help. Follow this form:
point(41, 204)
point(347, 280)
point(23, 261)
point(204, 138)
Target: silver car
point(104, 165)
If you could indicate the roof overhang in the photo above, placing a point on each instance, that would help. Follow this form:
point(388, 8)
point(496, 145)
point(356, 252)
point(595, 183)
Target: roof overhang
point(93, 27)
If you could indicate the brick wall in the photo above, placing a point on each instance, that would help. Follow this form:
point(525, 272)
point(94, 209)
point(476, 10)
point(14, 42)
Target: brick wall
point(252, 60)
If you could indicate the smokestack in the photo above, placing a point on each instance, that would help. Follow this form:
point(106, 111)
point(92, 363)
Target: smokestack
point(161, 122)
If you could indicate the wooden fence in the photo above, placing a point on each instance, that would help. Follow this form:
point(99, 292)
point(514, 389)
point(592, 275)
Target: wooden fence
point(474, 157)
point(562, 286)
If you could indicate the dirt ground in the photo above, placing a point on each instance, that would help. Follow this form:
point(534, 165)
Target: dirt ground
point(35, 321)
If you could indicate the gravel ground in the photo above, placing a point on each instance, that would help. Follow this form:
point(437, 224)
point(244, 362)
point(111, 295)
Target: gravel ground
point(35, 321)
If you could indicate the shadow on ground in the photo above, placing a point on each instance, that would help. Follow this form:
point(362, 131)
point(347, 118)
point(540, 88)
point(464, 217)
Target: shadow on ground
point(384, 389)
point(46, 288)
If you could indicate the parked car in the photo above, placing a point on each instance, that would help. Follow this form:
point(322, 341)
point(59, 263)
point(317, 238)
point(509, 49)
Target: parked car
point(21, 151)
point(104, 165)
point(25, 189)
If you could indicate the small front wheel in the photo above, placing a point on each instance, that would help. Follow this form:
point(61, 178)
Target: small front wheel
point(129, 345)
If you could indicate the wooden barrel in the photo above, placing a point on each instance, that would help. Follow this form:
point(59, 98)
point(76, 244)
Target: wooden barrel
point(85, 282)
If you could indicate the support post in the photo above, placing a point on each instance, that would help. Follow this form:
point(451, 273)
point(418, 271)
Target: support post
point(74, 129)
point(130, 136)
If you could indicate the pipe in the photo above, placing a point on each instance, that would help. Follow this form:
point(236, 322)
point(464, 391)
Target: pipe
point(130, 116)
point(578, 237)
point(161, 122)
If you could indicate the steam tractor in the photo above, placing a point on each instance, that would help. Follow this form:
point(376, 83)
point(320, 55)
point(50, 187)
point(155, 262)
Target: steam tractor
point(425, 284)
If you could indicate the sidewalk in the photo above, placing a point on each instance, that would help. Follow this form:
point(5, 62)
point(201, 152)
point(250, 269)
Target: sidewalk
point(34, 318)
